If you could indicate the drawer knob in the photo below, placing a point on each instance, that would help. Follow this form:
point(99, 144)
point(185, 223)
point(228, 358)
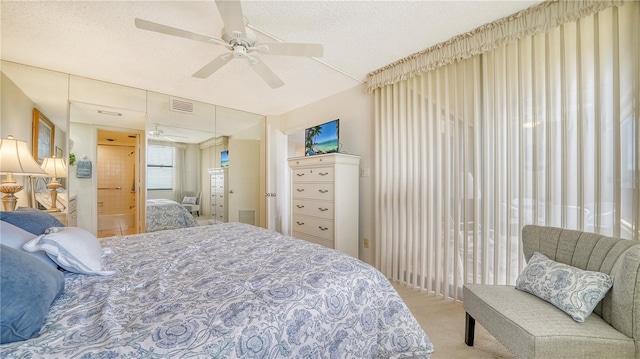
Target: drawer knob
point(299, 206)
point(300, 189)
point(323, 228)
point(323, 190)
point(300, 223)
point(299, 174)
point(323, 173)
point(323, 209)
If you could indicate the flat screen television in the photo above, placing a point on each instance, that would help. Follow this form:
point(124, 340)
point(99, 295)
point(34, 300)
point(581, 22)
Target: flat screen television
point(322, 138)
point(224, 158)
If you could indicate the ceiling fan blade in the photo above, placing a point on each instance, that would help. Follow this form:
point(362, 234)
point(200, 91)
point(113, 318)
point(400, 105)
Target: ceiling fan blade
point(168, 30)
point(265, 72)
point(213, 66)
point(231, 13)
point(291, 49)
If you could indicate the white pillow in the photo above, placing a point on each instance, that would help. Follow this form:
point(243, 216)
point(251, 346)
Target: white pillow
point(573, 290)
point(15, 237)
point(73, 248)
point(189, 200)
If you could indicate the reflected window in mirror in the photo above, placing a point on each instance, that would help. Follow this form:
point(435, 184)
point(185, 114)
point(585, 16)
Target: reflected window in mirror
point(160, 167)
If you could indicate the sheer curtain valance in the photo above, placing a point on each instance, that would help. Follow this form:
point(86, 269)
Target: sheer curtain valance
point(542, 130)
point(532, 21)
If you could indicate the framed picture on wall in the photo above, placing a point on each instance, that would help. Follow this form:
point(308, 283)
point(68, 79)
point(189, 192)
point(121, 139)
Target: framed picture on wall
point(42, 136)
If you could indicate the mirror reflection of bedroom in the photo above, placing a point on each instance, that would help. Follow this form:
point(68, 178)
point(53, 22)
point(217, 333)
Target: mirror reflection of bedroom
point(44, 129)
point(188, 163)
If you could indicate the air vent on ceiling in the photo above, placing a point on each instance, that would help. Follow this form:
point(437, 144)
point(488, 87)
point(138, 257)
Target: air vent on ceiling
point(181, 105)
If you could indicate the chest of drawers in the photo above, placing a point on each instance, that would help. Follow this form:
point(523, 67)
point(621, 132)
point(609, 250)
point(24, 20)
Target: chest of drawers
point(324, 200)
point(219, 198)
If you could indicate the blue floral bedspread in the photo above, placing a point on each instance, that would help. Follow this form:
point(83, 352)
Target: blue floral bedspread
point(167, 214)
point(226, 291)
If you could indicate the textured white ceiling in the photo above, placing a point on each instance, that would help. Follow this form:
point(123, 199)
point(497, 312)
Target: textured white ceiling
point(98, 39)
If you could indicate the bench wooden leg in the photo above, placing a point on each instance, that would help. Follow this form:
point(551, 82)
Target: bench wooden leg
point(469, 330)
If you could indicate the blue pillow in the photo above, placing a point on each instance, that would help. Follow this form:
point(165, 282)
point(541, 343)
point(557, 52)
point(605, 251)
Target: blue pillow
point(31, 220)
point(27, 288)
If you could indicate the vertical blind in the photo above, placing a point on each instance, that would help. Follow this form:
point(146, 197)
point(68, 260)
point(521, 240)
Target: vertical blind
point(160, 163)
point(543, 130)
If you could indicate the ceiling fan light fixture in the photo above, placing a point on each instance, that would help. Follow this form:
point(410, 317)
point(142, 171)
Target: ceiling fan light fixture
point(239, 51)
point(240, 39)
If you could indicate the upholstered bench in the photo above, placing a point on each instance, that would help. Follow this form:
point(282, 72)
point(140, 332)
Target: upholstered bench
point(531, 327)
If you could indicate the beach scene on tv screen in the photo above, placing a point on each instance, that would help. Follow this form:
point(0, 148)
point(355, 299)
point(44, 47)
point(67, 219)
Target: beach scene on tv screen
point(224, 158)
point(322, 138)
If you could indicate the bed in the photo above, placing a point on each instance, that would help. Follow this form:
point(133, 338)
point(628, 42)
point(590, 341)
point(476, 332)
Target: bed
point(225, 291)
point(165, 214)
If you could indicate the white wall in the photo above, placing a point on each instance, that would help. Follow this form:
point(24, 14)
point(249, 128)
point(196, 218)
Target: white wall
point(85, 146)
point(191, 166)
point(355, 109)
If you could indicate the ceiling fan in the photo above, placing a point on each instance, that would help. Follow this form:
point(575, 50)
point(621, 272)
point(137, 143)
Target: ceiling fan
point(158, 133)
point(240, 40)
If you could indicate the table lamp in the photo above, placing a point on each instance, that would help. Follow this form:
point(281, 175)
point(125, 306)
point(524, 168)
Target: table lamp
point(15, 159)
point(56, 168)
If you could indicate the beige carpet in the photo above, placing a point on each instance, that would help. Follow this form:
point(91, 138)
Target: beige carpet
point(443, 321)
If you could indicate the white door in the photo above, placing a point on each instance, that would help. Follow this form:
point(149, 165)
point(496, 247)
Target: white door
point(244, 181)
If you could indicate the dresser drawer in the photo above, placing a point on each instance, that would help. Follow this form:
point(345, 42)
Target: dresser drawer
point(313, 208)
point(312, 239)
point(317, 227)
point(320, 174)
point(312, 161)
point(218, 188)
point(322, 191)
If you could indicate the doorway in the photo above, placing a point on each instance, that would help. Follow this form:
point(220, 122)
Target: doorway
point(117, 177)
point(244, 190)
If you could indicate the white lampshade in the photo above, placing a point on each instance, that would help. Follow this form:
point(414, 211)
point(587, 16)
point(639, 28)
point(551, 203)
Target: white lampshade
point(15, 158)
point(55, 167)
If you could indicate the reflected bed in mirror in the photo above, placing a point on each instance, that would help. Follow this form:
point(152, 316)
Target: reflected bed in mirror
point(41, 200)
point(41, 195)
point(165, 214)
